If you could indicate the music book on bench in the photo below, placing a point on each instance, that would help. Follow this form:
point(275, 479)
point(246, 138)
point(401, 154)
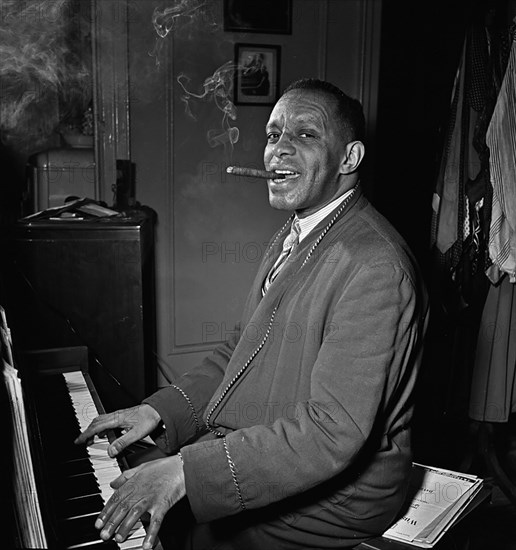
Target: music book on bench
point(436, 499)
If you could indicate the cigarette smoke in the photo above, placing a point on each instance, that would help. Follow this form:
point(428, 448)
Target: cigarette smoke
point(44, 78)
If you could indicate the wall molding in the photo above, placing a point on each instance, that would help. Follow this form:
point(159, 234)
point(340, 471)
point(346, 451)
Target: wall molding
point(323, 40)
point(370, 55)
point(369, 81)
point(110, 91)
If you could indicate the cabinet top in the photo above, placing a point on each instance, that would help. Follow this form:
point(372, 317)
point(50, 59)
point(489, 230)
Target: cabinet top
point(127, 220)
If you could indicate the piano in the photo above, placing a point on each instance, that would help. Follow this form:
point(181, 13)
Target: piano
point(72, 482)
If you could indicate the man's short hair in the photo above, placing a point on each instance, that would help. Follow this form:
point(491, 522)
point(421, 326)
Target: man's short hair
point(349, 109)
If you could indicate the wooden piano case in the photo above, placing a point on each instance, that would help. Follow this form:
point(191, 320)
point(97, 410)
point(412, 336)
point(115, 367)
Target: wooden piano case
point(87, 283)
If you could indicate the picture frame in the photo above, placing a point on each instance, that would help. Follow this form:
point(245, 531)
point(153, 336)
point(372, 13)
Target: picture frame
point(265, 16)
point(257, 74)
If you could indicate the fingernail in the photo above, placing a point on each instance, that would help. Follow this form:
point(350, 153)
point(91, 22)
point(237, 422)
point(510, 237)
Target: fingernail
point(99, 523)
point(118, 538)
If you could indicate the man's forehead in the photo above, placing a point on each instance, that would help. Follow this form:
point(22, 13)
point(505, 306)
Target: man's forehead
point(304, 105)
point(309, 94)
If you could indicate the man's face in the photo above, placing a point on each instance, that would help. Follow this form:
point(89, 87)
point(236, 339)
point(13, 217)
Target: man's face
point(303, 137)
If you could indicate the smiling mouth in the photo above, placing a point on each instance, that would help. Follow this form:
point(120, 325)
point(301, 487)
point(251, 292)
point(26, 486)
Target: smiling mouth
point(286, 175)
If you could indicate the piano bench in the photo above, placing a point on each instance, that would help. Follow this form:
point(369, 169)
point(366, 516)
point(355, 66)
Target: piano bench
point(381, 543)
point(458, 536)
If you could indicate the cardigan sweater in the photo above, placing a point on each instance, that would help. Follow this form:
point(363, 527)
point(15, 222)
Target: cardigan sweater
point(306, 409)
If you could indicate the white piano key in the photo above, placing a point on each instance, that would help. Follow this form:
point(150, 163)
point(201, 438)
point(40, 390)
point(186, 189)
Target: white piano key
point(132, 543)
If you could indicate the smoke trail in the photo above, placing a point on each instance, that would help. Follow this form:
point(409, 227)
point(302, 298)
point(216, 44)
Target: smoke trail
point(219, 88)
point(43, 78)
point(167, 19)
point(183, 14)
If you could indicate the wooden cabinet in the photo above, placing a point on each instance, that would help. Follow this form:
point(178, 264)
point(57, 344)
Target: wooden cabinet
point(88, 283)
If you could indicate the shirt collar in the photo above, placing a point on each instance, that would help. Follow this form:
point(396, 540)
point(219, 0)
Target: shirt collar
point(309, 222)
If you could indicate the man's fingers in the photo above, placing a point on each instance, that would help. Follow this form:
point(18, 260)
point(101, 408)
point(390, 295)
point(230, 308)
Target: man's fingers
point(111, 523)
point(120, 443)
point(116, 500)
point(131, 516)
point(136, 423)
point(98, 426)
point(123, 477)
point(118, 482)
point(108, 509)
point(152, 532)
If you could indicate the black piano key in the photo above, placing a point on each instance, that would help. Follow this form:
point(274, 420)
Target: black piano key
point(80, 506)
point(75, 467)
point(66, 452)
point(75, 486)
point(79, 530)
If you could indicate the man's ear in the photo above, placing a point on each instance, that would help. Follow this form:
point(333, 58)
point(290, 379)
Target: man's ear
point(353, 156)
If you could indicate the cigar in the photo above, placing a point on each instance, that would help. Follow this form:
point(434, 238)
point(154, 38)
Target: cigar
point(253, 173)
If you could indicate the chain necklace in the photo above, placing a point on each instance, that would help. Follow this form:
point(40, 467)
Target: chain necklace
point(339, 211)
point(330, 223)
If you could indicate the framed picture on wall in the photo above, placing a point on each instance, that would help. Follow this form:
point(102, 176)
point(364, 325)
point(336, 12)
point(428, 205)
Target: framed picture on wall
point(257, 74)
point(267, 16)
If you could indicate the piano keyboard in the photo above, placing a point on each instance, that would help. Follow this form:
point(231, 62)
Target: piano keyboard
point(105, 469)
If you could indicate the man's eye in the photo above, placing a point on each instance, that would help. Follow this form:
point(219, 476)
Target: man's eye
point(272, 137)
point(306, 135)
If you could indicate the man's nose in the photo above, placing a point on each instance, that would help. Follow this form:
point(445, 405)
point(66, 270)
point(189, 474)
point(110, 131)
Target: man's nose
point(284, 146)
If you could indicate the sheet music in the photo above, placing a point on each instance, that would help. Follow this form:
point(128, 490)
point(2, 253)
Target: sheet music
point(28, 511)
point(25, 494)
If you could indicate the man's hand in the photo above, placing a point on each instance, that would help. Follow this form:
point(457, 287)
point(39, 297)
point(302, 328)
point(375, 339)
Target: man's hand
point(137, 422)
point(153, 487)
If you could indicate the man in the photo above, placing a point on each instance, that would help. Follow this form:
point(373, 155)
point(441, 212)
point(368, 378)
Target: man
point(294, 433)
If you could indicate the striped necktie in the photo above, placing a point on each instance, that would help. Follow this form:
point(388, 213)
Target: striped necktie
point(290, 242)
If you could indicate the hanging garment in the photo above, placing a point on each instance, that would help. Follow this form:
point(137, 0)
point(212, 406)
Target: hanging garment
point(462, 198)
point(447, 198)
point(501, 140)
point(493, 386)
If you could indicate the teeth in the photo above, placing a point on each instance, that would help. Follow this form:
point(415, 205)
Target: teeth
point(287, 172)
